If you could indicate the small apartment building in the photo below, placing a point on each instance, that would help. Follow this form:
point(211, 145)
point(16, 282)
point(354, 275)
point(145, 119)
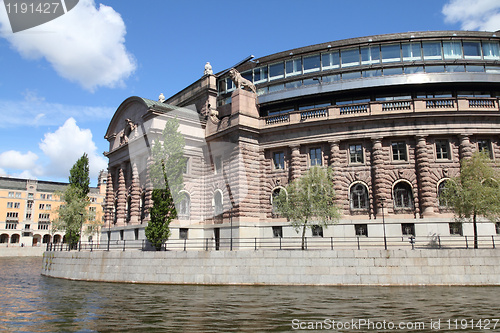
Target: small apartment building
point(28, 208)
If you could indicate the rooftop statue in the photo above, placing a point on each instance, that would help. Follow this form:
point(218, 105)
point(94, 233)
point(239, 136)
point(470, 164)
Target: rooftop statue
point(208, 69)
point(161, 98)
point(240, 81)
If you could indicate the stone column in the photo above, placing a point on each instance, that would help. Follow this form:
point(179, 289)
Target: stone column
point(295, 162)
point(381, 188)
point(426, 189)
point(148, 199)
point(335, 165)
point(465, 149)
point(135, 201)
point(110, 199)
point(122, 198)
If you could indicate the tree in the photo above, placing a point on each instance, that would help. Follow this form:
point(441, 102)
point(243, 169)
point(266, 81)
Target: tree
point(72, 214)
point(309, 201)
point(475, 192)
point(166, 174)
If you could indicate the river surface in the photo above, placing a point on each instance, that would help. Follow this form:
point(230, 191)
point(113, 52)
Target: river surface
point(30, 302)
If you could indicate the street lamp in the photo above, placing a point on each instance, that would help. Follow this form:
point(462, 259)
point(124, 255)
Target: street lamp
point(81, 226)
point(109, 209)
point(383, 221)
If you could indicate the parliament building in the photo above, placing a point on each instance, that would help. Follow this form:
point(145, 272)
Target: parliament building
point(392, 115)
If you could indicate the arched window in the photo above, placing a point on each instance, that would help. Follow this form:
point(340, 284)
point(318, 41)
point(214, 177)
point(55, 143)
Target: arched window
point(403, 197)
point(441, 186)
point(218, 208)
point(275, 193)
point(184, 207)
point(359, 196)
point(46, 239)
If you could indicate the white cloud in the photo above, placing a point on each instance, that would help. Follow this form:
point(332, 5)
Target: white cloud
point(473, 14)
point(13, 159)
point(24, 113)
point(86, 45)
point(3, 173)
point(66, 145)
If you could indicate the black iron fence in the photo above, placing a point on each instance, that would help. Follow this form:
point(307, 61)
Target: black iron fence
point(288, 243)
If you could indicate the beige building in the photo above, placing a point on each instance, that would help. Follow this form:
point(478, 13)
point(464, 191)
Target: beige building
point(28, 207)
point(393, 115)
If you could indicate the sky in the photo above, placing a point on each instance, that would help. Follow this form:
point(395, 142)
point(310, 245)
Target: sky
point(62, 81)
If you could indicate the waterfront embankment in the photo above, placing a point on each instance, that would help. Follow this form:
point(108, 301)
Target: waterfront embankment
point(275, 267)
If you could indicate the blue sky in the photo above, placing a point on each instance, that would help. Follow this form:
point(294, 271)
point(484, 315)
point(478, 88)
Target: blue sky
point(61, 82)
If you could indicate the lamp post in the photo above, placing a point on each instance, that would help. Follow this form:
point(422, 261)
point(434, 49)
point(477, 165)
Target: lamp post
point(81, 226)
point(109, 224)
point(383, 221)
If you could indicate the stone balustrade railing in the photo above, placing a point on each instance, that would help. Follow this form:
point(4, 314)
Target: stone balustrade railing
point(459, 104)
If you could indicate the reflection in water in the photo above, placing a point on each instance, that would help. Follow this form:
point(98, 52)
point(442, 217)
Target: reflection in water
point(32, 303)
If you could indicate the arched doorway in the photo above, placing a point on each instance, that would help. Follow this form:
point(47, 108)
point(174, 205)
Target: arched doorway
point(57, 239)
point(46, 239)
point(14, 238)
point(36, 239)
point(4, 238)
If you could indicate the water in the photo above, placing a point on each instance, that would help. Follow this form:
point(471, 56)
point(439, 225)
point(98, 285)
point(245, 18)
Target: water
point(30, 302)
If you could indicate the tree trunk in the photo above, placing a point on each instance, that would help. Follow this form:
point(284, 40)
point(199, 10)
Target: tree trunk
point(474, 223)
point(304, 235)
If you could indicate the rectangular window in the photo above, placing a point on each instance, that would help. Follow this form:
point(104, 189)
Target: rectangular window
point(399, 151)
point(49, 196)
point(41, 206)
point(217, 164)
point(276, 71)
point(414, 69)
point(315, 157)
point(391, 53)
point(442, 150)
point(330, 60)
point(260, 74)
point(452, 50)
point(30, 204)
point(11, 226)
point(121, 234)
point(48, 207)
point(317, 231)
point(484, 145)
point(455, 68)
point(370, 55)
point(31, 195)
point(434, 69)
point(136, 233)
point(183, 233)
point(472, 50)
point(372, 73)
point(331, 78)
point(491, 51)
point(351, 75)
point(16, 204)
point(18, 194)
point(185, 169)
point(293, 67)
point(12, 215)
point(28, 216)
point(43, 196)
point(497, 228)
point(350, 57)
point(411, 51)
point(356, 153)
point(393, 71)
point(361, 230)
point(456, 228)
point(312, 63)
point(279, 160)
point(10, 204)
point(432, 50)
point(278, 232)
point(11, 194)
point(293, 84)
point(408, 229)
point(27, 227)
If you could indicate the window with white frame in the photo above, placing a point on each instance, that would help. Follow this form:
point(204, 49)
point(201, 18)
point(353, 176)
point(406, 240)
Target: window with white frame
point(399, 151)
point(359, 196)
point(356, 153)
point(279, 160)
point(315, 157)
point(484, 145)
point(442, 150)
point(218, 164)
point(403, 197)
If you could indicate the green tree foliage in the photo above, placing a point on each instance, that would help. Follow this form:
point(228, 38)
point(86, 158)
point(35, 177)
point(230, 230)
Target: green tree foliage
point(475, 192)
point(73, 212)
point(166, 173)
point(309, 201)
point(79, 175)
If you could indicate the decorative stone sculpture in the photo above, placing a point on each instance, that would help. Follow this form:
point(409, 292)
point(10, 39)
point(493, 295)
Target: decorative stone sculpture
point(129, 129)
point(208, 69)
point(240, 82)
point(161, 98)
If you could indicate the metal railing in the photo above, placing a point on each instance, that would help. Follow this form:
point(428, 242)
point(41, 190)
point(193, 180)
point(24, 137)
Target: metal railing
point(288, 243)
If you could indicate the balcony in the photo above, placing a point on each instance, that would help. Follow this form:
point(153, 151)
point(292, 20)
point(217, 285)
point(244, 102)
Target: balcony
point(461, 104)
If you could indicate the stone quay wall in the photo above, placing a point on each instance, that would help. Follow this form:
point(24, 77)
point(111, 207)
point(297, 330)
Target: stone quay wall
point(294, 267)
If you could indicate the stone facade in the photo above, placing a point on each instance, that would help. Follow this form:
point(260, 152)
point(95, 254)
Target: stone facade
point(390, 140)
